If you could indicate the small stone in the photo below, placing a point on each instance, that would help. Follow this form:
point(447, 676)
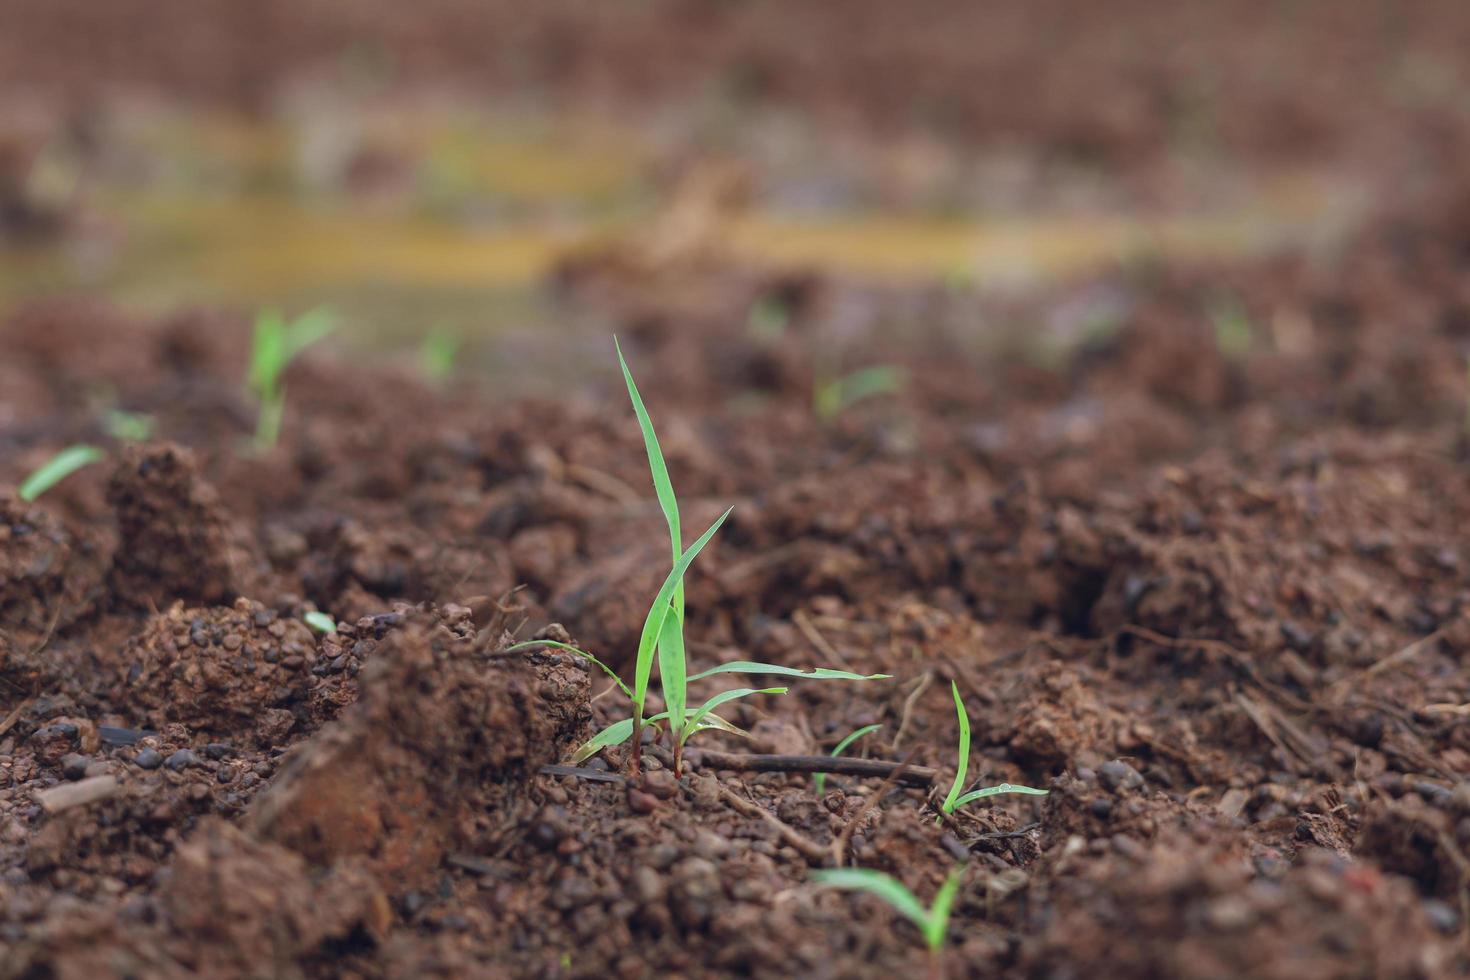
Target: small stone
point(148, 759)
point(74, 766)
point(1119, 775)
point(181, 760)
point(1442, 916)
point(641, 802)
point(648, 885)
point(661, 783)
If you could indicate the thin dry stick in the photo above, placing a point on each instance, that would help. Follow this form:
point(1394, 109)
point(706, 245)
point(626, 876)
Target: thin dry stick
point(839, 846)
point(1392, 660)
point(817, 640)
point(908, 706)
point(13, 717)
point(919, 776)
point(809, 848)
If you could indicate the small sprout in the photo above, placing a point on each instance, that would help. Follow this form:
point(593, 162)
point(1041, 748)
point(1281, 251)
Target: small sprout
point(933, 922)
point(438, 353)
point(768, 318)
point(58, 468)
point(834, 397)
point(819, 781)
point(273, 346)
point(1233, 334)
point(128, 426)
point(954, 800)
point(319, 621)
point(662, 637)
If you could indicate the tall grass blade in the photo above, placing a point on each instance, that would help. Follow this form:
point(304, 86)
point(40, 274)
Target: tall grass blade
point(58, 468)
point(814, 673)
point(963, 766)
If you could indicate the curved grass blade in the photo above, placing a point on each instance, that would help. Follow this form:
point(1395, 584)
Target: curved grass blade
point(307, 329)
point(980, 794)
point(527, 644)
point(819, 781)
point(814, 673)
point(671, 668)
point(615, 734)
point(963, 766)
point(698, 715)
point(879, 883)
point(319, 621)
point(58, 468)
point(936, 924)
point(662, 486)
point(654, 624)
point(716, 723)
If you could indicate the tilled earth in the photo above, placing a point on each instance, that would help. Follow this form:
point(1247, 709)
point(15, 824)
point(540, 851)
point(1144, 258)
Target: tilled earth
point(1189, 539)
point(1213, 596)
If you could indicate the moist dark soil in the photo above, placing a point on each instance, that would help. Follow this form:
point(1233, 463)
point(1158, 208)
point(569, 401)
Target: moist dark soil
point(1210, 589)
point(1216, 603)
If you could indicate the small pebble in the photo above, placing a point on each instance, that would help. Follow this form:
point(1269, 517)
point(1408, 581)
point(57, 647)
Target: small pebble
point(181, 760)
point(1118, 775)
point(148, 759)
point(641, 802)
point(74, 766)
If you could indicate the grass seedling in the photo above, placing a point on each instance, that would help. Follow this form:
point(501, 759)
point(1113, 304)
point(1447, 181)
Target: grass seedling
point(274, 344)
point(834, 397)
point(128, 426)
point(955, 800)
point(58, 468)
point(662, 637)
point(933, 922)
point(438, 353)
point(819, 781)
point(1232, 326)
point(319, 621)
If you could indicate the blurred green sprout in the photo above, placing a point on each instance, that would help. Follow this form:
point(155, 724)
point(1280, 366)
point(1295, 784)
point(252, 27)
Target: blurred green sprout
point(819, 781)
point(128, 426)
point(58, 468)
point(274, 344)
point(835, 396)
point(438, 353)
point(319, 621)
point(933, 922)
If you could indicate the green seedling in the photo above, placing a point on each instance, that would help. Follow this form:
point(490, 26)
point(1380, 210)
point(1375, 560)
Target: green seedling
point(933, 922)
point(819, 781)
point(834, 397)
point(438, 353)
point(1232, 326)
point(662, 637)
point(954, 800)
point(58, 468)
point(319, 621)
point(768, 318)
point(128, 426)
point(274, 344)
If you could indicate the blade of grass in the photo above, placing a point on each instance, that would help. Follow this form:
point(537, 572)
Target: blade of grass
point(698, 715)
point(878, 883)
point(980, 794)
point(936, 924)
point(963, 765)
point(653, 625)
point(814, 673)
point(58, 468)
point(819, 781)
point(527, 644)
point(671, 663)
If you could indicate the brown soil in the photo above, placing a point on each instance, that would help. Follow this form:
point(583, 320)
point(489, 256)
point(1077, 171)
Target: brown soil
point(1215, 599)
